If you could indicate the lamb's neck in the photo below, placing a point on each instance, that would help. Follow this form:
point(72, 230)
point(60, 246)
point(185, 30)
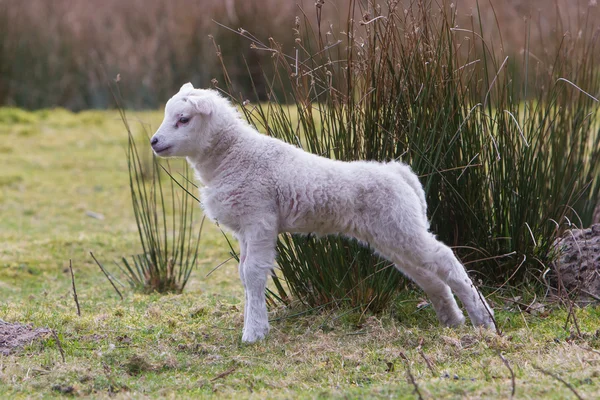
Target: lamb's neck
point(219, 155)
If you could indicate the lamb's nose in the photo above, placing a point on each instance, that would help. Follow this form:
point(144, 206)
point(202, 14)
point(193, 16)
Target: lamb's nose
point(154, 141)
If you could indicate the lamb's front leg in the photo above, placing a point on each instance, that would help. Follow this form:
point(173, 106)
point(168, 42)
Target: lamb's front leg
point(243, 251)
point(259, 261)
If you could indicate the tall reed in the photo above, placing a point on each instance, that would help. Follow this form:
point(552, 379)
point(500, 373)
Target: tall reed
point(164, 214)
point(170, 243)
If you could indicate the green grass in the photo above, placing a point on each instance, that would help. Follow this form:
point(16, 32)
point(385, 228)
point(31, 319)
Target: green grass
point(75, 163)
point(181, 345)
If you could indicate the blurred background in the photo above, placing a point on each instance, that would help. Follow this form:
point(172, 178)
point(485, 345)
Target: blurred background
point(64, 52)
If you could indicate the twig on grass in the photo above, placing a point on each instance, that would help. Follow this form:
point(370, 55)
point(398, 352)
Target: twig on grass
point(60, 348)
point(107, 276)
point(558, 378)
point(224, 374)
point(74, 290)
point(512, 374)
point(427, 360)
point(223, 328)
point(317, 308)
point(411, 378)
point(363, 332)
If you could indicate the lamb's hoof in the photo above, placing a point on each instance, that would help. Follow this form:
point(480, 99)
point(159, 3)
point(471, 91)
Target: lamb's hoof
point(486, 320)
point(252, 335)
point(485, 323)
point(452, 320)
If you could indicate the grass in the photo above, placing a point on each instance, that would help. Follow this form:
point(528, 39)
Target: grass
point(71, 165)
point(179, 345)
point(184, 345)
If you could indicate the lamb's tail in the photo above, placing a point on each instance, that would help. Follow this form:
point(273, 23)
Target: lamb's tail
point(413, 181)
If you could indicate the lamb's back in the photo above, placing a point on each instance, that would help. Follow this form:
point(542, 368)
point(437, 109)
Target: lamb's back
point(309, 193)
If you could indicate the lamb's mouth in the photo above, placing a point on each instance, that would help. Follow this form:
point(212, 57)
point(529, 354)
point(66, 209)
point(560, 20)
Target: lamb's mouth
point(158, 151)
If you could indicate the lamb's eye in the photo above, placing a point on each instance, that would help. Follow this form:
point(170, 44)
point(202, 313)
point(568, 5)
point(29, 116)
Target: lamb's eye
point(184, 120)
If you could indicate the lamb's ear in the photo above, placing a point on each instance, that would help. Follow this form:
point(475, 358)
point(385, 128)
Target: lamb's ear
point(188, 87)
point(202, 104)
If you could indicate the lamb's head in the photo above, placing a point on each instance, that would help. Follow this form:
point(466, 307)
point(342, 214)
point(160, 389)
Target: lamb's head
point(193, 117)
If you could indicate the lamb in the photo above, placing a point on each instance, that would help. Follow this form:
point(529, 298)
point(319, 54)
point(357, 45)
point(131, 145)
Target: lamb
point(258, 187)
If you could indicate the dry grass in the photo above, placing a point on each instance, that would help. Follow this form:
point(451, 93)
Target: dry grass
point(189, 345)
point(60, 53)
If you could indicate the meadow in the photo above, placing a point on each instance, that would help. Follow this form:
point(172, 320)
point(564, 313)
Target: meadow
point(64, 193)
point(495, 108)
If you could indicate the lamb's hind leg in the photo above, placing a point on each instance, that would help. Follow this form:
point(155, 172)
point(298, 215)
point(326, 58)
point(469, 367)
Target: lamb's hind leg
point(441, 260)
point(439, 294)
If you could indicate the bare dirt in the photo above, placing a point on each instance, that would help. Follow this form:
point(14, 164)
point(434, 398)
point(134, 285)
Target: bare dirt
point(14, 336)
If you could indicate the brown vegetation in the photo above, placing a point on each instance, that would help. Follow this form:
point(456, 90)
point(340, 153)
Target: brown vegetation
point(61, 53)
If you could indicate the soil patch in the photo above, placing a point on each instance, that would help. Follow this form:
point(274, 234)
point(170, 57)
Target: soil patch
point(14, 336)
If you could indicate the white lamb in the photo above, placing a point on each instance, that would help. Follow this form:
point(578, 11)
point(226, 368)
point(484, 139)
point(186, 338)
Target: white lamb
point(259, 187)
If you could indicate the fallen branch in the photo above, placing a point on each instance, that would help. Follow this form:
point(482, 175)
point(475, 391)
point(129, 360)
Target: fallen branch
point(512, 374)
point(74, 290)
point(427, 360)
point(224, 374)
point(411, 378)
point(60, 348)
